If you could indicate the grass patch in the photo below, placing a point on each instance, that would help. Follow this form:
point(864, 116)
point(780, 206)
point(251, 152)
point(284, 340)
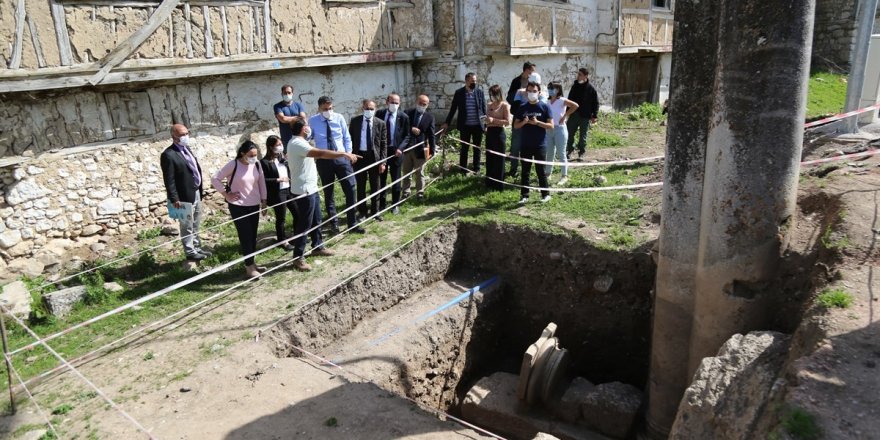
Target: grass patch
point(331, 422)
point(826, 94)
point(834, 240)
point(831, 298)
point(149, 234)
point(801, 425)
point(62, 409)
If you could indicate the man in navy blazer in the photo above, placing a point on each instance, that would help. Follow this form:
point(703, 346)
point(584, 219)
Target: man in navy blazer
point(422, 132)
point(470, 104)
point(368, 140)
point(397, 126)
point(182, 175)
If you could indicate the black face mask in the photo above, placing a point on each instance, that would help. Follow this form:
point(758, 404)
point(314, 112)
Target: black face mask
point(472, 86)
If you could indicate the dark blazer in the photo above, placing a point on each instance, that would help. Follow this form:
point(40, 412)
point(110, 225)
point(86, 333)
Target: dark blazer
point(179, 183)
point(515, 85)
point(270, 173)
point(459, 104)
point(426, 126)
point(380, 137)
point(586, 97)
point(401, 130)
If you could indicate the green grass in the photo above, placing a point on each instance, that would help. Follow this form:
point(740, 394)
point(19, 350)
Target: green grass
point(831, 298)
point(62, 409)
point(826, 94)
point(801, 425)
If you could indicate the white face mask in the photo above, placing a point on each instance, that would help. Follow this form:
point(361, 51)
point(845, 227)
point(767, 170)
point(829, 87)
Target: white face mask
point(581, 81)
point(421, 108)
point(251, 159)
point(393, 108)
point(184, 140)
point(306, 132)
point(533, 96)
point(287, 98)
point(327, 114)
point(369, 114)
point(279, 149)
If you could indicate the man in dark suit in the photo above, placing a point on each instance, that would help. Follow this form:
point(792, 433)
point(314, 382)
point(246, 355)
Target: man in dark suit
point(519, 82)
point(470, 104)
point(422, 132)
point(397, 127)
point(368, 140)
point(183, 184)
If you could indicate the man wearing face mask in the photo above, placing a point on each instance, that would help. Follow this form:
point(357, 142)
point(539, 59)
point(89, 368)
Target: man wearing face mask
point(520, 98)
point(397, 127)
point(584, 94)
point(422, 131)
point(183, 184)
point(534, 118)
point(369, 139)
point(330, 132)
point(470, 104)
point(287, 112)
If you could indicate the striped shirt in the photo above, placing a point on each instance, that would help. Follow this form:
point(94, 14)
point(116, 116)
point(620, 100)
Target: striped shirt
point(470, 102)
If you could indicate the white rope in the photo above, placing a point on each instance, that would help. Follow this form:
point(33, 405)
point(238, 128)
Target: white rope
point(31, 396)
point(219, 225)
point(203, 275)
point(76, 372)
point(421, 405)
point(570, 190)
point(568, 164)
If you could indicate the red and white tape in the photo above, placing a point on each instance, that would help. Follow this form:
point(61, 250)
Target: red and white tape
point(840, 116)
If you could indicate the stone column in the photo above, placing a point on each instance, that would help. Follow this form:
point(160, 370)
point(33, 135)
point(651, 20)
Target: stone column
point(739, 79)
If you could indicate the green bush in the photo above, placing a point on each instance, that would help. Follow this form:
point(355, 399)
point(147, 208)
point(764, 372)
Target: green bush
point(94, 284)
point(801, 425)
point(831, 298)
point(649, 111)
point(599, 139)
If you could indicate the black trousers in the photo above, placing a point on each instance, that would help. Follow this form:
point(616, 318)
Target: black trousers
point(331, 170)
point(246, 228)
point(496, 140)
point(308, 215)
point(284, 203)
point(392, 169)
point(369, 158)
point(534, 153)
point(474, 135)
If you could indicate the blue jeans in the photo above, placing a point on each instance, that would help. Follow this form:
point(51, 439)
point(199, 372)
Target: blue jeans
point(556, 143)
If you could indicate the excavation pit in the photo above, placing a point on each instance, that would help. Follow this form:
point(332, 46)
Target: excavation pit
point(464, 302)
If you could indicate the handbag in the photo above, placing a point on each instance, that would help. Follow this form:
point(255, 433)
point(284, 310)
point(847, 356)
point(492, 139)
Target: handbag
point(228, 185)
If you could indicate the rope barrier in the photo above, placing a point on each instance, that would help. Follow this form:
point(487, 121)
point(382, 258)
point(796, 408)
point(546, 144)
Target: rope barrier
point(31, 396)
point(110, 401)
point(435, 411)
point(569, 190)
point(840, 116)
point(226, 292)
point(219, 225)
point(203, 275)
point(837, 158)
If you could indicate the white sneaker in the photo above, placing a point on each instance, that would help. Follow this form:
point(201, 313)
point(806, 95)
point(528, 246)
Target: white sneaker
point(545, 199)
point(562, 181)
point(523, 201)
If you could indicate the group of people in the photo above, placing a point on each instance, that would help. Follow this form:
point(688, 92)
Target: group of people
point(388, 143)
point(545, 124)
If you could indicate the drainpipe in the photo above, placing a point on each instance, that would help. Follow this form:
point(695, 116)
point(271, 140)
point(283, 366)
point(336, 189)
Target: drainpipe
point(616, 24)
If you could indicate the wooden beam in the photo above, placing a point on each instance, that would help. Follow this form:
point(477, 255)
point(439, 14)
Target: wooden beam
point(547, 3)
point(35, 39)
point(267, 27)
point(225, 30)
point(15, 62)
point(153, 3)
point(187, 25)
point(252, 32)
point(171, 36)
point(209, 37)
point(61, 34)
point(130, 45)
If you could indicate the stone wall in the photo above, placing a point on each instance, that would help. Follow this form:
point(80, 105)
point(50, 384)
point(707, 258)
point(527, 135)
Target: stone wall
point(833, 34)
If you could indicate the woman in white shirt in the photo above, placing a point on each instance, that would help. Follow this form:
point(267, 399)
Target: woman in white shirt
point(277, 175)
point(560, 108)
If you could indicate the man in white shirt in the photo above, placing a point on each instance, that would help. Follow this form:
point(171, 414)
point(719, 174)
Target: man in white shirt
point(304, 180)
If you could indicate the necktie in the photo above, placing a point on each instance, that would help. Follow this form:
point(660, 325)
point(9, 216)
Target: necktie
point(331, 145)
point(388, 130)
point(369, 134)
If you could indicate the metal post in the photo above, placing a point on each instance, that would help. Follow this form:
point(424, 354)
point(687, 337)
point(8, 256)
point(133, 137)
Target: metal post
point(6, 358)
point(857, 61)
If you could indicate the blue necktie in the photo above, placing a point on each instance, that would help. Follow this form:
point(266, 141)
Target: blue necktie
point(331, 145)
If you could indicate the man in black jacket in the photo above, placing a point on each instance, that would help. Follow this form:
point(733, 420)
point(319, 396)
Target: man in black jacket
point(470, 104)
point(368, 140)
point(422, 132)
point(397, 127)
point(583, 93)
point(183, 183)
point(519, 82)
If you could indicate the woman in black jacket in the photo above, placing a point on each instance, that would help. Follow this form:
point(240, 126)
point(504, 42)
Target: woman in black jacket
point(278, 186)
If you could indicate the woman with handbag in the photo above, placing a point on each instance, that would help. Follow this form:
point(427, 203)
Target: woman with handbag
point(277, 176)
point(245, 194)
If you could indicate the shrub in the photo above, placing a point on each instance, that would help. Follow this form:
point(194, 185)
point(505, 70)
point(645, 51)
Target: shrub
point(801, 425)
point(839, 298)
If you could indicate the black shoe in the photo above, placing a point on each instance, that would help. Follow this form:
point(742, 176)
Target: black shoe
point(379, 218)
point(334, 229)
point(357, 230)
point(420, 196)
point(205, 253)
point(287, 246)
point(196, 257)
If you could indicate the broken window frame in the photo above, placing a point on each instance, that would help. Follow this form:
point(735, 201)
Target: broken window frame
point(667, 5)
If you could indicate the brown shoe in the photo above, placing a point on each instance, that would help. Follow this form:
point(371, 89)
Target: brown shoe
point(323, 252)
point(301, 265)
point(261, 268)
point(252, 272)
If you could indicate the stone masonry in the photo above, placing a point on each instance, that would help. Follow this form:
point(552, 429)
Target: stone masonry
point(833, 35)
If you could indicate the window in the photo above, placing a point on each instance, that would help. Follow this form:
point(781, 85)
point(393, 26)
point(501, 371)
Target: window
point(661, 4)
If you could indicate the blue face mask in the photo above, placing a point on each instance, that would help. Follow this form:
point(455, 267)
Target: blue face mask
point(551, 92)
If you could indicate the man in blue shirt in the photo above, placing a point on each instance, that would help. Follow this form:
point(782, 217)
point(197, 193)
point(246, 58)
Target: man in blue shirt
point(534, 119)
point(331, 133)
point(287, 112)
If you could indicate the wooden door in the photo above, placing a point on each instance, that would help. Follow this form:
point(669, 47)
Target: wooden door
point(636, 79)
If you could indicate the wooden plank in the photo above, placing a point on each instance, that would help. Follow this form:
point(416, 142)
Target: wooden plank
point(187, 25)
point(553, 34)
point(171, 36)
point(130, 45)
point(225, 30)
point(113, 23)
point(547, 3)
point(154, 3)
point(209, 38)
point(35, 39)
point(238, 45)
point(61, 34)
point(267, 27)
point(15, 62)
point(251, 35)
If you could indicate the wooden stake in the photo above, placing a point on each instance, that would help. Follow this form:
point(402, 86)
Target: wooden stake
point(6, 358)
